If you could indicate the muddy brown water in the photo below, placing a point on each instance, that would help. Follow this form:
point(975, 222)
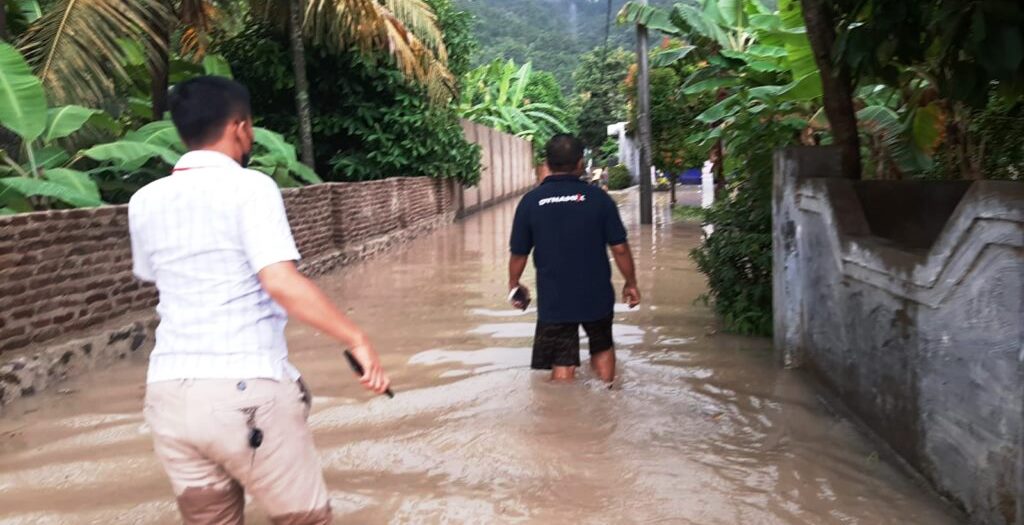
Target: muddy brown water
point(701, 428)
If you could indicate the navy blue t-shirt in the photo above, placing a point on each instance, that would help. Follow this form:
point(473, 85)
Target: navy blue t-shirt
point(569, 225)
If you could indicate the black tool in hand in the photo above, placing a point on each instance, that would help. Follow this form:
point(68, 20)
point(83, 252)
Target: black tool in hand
point(358, 369)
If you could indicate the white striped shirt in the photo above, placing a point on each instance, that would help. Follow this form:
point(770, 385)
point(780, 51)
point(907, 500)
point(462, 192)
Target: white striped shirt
point(202, 234)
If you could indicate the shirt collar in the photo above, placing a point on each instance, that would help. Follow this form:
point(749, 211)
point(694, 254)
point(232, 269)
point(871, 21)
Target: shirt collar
point(205, 159)
point(561, 177)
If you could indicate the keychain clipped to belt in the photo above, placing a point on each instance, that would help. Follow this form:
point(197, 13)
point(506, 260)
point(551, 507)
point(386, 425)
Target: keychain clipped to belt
point(255, 434)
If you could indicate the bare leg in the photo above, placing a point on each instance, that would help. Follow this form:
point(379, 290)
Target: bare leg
point(563, 373)
point(603, 364)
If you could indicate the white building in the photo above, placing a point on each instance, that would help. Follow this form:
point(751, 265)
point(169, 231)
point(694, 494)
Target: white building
point(629, 152)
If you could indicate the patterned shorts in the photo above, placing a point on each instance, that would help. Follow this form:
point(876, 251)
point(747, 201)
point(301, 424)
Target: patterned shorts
point(558, 344)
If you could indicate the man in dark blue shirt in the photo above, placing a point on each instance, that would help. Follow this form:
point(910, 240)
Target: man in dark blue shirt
point(569, 226)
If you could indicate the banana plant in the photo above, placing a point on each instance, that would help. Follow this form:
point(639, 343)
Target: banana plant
point(41, 174)
point(44, 172)
point(756, 59)
point(494, 95)
point(149, 152)
point(752, 58)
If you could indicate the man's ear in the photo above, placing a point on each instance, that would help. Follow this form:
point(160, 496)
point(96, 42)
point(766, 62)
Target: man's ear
point(243, 130)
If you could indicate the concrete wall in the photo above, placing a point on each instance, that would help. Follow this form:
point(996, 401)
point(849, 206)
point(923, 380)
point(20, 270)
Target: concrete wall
point(507, 168)
point(905, 299)
point(68, 299)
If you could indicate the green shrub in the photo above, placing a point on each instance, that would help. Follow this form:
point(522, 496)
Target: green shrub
point(737, 257)
point(619, 178)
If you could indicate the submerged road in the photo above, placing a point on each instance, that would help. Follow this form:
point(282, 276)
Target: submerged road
point(701, 428)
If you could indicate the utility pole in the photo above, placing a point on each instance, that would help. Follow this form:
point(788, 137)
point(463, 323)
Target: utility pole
point(643, 118)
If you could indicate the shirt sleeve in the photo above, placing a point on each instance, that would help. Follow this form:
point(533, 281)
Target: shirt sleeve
point(266, 235)
point(521, 242)
point(614, 231)
point(141, 266)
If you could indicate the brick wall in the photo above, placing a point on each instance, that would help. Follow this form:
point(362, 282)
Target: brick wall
point(62, 271)
point(310, 215)
point(65, 270)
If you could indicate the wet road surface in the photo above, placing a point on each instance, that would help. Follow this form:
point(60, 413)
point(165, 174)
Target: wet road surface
point(701, 428)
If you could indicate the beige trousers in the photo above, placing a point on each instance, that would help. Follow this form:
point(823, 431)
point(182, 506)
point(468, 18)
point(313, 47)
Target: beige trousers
point(201, 431)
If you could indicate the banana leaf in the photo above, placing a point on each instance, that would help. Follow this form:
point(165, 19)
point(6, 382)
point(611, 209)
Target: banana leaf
point(51, 156)
point(22, 100)
point(668, 57)
point(711, 85)
point(274, 144)
point(652, 17)
point(32, 187)
point(66, 120)
point(160, 133)
point(721, 110)
point(131, 154)
point(78, 181)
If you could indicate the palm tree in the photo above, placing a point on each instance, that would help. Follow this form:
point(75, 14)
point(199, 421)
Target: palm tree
point(407, 29)
point(75, 45)
point(75, 48)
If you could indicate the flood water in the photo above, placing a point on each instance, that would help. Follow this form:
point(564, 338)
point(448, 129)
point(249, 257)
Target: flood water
point(701, 427)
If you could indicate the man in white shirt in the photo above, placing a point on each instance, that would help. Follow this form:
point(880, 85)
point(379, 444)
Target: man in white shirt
point(226, 409)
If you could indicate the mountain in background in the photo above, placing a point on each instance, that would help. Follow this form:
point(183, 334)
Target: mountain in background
point(550, 33)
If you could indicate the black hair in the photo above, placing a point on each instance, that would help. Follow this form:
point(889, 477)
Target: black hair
point(202, 106)
point(563, 152)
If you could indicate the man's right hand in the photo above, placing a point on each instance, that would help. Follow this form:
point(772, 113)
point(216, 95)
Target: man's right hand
point(521, 304)
point(374, 378)
point(304, 300)
point(631, 295)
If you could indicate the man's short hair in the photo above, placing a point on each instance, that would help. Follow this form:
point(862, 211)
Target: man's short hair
point(563, 152)
point(202, 106)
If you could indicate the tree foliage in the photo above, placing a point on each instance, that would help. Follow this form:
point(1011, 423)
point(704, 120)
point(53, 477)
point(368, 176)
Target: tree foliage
point(674, 123)
point(960, 47)
point(944, 62)
point(368, 121)
point(600, 87)
point(457, 27)
point(551, 34)
point(937, 85)
point(375, 122)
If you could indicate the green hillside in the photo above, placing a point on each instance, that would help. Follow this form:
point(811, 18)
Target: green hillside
point(550, 33)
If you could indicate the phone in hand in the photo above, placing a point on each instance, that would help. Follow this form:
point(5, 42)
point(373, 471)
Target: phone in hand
point(519, 298)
